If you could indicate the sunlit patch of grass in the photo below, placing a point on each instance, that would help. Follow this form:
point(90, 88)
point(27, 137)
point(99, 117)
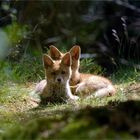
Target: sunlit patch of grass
point(13, 94)
point(17, 113)
point(13, 99)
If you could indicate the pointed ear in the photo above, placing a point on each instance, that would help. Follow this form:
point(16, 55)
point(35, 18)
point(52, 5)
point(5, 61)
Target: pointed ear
point(47, 60)
point(66, 60)
point(54, 53)
point(75, 52)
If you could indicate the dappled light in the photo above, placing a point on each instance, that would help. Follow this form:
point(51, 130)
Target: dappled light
point(69, 69)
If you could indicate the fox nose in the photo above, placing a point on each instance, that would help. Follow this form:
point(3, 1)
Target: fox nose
point(59, 80)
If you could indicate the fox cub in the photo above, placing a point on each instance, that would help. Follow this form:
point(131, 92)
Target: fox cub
point(57, 55)
point(58, 73)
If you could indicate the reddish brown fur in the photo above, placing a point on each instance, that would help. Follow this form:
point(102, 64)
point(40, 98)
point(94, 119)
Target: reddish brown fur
point(81, 82)
point(57, 74)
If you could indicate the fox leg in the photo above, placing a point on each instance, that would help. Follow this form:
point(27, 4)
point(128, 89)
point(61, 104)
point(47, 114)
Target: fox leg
point(70, 95)
point(35, 95)
point(108, 90)
point(40, 86)
point(74, 97)
point(80, 87)
point(102, 92)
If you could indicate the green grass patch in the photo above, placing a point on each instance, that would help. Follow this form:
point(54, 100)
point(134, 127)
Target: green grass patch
point(84, 119)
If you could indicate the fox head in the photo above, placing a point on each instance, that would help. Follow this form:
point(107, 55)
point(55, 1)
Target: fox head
point(58, 71)
point(75, 52)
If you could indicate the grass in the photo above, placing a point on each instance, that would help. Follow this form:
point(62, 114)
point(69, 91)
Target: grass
point(84, 119)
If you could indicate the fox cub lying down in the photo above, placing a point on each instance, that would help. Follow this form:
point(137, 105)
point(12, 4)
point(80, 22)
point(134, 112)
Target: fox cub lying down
point(81, 83)
point(58, 73)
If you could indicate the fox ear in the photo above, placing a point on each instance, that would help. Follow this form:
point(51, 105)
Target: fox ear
point(47, 60)
point(54, 53)
point(66, 60)
point(75, 52)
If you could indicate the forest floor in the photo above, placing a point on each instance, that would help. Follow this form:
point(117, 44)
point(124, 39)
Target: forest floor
point(99, 118)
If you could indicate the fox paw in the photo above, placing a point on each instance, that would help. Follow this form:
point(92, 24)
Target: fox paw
point(74, 97)
point(80, 88)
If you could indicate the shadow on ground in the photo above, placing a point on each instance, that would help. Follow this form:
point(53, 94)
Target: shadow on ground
point(115, 120)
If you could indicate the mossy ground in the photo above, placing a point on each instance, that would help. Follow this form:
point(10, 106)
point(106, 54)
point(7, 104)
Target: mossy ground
point(110, 117)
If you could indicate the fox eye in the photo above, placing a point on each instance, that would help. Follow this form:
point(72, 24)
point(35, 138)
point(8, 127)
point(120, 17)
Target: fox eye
point(52, 73)
point(63, 72)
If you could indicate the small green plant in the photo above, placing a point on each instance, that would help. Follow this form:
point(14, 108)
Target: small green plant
point(126, 74)
point(30, 69)
point(6, 72)
point(89, 66)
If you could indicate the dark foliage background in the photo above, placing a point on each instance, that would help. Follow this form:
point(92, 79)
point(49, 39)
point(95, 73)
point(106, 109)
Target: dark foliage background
point(108, 30)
